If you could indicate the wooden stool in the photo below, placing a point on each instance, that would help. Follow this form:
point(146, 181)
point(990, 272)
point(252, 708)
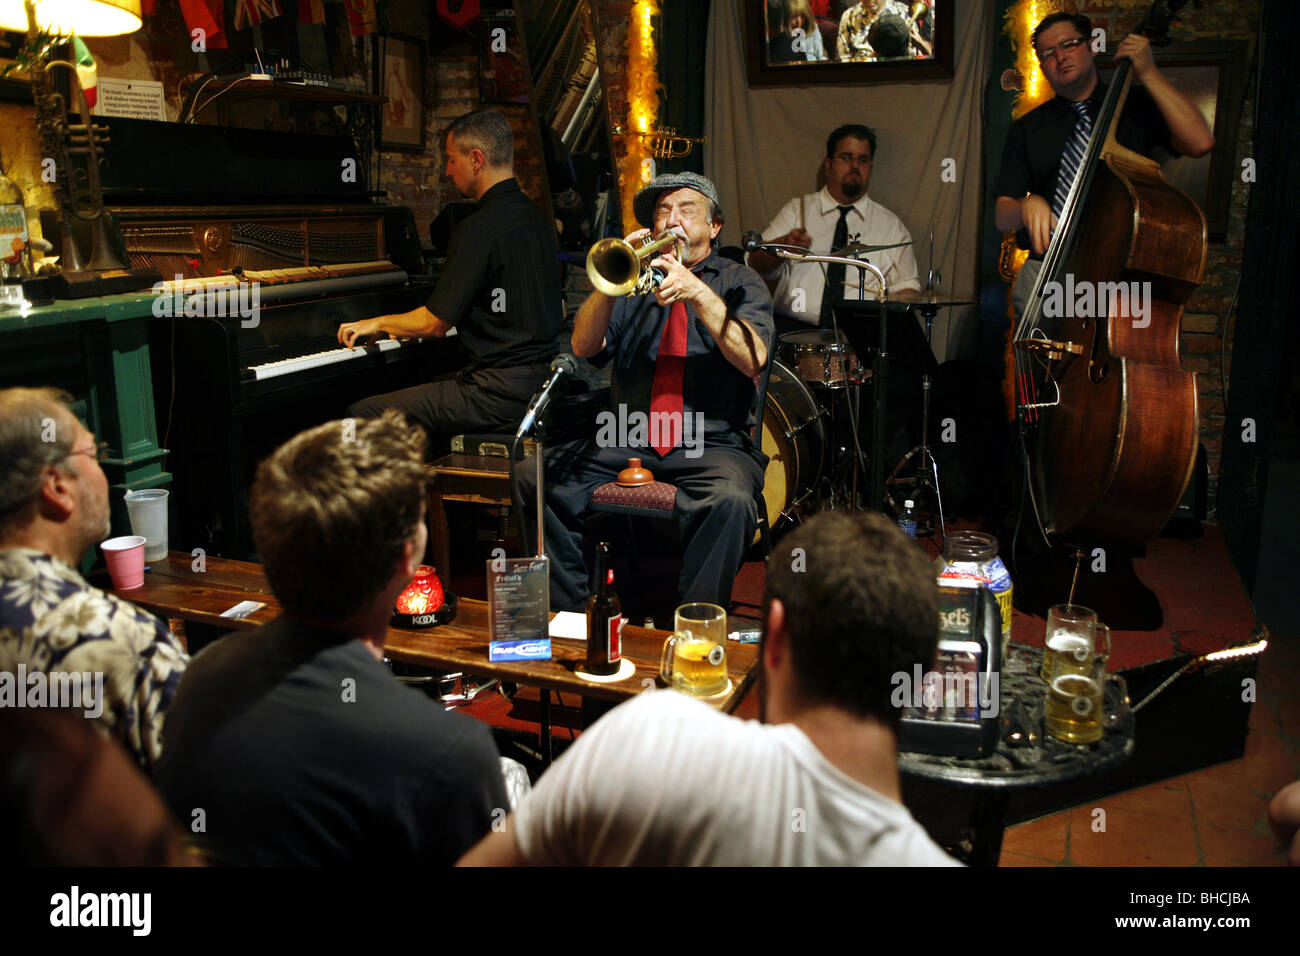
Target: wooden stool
point(478, 479)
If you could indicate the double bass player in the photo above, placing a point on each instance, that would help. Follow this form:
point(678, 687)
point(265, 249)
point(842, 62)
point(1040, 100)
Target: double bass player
point(1044, 144)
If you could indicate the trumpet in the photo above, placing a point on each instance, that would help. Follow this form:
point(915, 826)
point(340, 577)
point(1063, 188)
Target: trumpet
point(617, 268)
point(663, 143)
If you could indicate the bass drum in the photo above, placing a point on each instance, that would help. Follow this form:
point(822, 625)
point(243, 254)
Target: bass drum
point(794, 441)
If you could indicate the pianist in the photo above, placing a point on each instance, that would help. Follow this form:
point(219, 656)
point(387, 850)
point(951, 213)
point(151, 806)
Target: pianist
point(499, 290)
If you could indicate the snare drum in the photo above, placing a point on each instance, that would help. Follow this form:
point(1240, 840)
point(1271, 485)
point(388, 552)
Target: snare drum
point(793, 440)
point(818, 359)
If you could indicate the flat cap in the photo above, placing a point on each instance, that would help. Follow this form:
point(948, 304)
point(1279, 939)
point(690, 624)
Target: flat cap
point(644, 203)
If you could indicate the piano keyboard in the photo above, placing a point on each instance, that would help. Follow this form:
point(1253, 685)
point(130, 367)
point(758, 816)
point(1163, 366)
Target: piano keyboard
point(302, 363)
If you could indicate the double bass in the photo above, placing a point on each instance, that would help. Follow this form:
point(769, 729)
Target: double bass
point(1107, 415)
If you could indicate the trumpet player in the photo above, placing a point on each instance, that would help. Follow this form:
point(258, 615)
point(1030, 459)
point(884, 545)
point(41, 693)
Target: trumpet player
point(687, 359)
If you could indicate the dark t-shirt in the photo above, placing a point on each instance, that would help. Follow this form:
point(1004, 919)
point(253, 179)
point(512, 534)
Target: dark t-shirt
point(293, 765)
point(500, 286)
point(1032, 155)
point(711, 384)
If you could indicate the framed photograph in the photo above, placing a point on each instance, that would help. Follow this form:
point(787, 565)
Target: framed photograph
point(14, 85)
point(836, 42)
point(1213, 76)
point(502, 65)
point(401, 61)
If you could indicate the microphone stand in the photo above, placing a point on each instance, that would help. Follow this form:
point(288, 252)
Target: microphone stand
point(879, 365)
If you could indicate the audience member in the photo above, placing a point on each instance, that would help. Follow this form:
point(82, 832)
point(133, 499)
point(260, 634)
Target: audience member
point(667, 780)
point(293, 743)
point(121, 662)
point(73, 798)
point(1284, 817)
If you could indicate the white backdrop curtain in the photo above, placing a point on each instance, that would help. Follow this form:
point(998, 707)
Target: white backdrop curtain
point(766, 144)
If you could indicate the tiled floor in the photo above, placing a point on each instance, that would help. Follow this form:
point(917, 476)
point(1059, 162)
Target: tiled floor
point(1213, 817)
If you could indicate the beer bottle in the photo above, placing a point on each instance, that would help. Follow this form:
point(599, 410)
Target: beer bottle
point(604, 618)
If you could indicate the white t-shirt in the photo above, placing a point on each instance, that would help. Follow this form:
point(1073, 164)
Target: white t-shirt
point(802, 283)
point(666, 780)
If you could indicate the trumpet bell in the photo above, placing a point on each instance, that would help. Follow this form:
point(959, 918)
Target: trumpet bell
point(617, 268)
point(613, 267)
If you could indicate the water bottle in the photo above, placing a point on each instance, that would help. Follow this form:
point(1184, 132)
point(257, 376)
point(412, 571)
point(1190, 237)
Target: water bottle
point(907, 518)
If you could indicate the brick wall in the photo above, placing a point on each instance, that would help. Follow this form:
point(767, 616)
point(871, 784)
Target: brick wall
point(1203, 322)
point(451, 90)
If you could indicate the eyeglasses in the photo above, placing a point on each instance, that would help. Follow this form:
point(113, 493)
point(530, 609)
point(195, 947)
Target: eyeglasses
point(848, 159)
point(99, 452)
point(1050, 53)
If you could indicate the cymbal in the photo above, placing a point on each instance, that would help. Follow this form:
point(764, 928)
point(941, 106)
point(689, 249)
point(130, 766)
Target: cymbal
point(858, 249)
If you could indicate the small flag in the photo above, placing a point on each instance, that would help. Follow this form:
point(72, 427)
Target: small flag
point(311, 11)
point(362, 18)
point(87, 73)
point(209, 17)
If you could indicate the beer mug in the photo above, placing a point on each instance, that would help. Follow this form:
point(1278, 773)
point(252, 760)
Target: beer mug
point(694, 659)
point(1076, 700)
point(1071, 639)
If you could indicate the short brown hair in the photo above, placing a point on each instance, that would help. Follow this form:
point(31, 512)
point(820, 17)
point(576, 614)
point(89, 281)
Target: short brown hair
point(24, 452)
point(332, 508)
point(861, 604)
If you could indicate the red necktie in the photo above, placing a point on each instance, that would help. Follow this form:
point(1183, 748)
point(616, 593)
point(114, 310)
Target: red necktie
point(666, 392)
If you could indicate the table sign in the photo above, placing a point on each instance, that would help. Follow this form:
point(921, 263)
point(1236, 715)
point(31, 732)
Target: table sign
point(519, 609)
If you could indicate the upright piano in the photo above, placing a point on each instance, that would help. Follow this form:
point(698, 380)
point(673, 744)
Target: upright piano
point(215, 211)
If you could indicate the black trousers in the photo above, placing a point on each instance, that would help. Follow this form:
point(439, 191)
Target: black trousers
point(484, 400)
point(716, 505)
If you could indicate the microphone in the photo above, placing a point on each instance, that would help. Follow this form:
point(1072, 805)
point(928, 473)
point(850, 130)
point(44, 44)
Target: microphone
point(752, 241)
point(563, 365)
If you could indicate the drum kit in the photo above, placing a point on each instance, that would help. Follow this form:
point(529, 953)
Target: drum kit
point(813, 411)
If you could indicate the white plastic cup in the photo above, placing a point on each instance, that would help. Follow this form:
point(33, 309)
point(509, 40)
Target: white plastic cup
point(125, 557)
point(148, 511)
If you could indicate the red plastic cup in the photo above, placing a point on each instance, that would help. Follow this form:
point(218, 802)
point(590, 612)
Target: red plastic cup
point(125, 557)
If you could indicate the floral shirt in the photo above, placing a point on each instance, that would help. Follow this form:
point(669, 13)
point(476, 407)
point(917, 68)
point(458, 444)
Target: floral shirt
point(852, 43)
point(53, 621)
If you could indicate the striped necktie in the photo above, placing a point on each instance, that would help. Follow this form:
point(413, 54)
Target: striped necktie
point(1075, 147)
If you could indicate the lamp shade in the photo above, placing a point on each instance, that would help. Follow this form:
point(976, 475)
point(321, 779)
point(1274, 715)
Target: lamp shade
point(423, 603)
point(89, 18)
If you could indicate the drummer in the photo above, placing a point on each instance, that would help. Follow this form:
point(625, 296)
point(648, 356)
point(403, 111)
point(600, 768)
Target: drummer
point(828, 220)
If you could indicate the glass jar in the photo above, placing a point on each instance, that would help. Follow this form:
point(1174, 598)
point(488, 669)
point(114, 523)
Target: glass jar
point(971, 557)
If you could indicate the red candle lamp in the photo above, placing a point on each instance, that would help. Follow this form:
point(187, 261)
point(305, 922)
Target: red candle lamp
point(423, 603)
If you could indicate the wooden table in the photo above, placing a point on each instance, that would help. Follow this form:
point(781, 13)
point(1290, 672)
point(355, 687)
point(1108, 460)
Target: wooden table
point(172, 588)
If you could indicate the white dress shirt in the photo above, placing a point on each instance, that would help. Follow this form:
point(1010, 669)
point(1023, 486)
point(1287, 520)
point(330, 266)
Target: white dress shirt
point(799, 286)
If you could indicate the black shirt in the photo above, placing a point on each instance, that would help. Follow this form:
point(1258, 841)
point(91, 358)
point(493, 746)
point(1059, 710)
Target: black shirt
point(293, 765)
point(500, 286)
point(1032, 155)
point(710, 384)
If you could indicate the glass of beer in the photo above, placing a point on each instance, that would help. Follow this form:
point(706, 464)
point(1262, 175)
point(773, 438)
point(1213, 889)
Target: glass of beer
point(1071, 639)
point(694, 659)
point(1076, 703)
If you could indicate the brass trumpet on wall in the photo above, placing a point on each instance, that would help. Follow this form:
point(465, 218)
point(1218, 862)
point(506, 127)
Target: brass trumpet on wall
point(664, 143)
point(617, 268)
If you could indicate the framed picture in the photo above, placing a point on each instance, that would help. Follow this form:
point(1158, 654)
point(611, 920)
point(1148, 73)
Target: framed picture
point(14, 85)
point(502, 65)
point(1212, 74)
point(836, 42)
point(401, 61)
